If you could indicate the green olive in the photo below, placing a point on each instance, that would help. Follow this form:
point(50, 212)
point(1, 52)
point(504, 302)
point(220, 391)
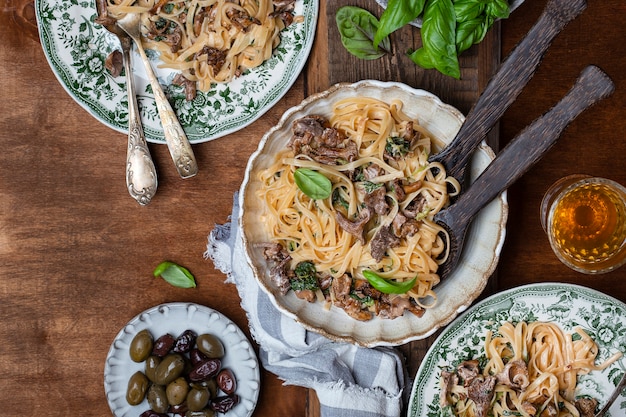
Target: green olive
point(141, 346)
point(207, 384)
point(151, 365)
point(210, 345)
point(177, 391)
point(197, 399)
point(157, 398)
point(170, 368)
point(137, 387)
point(212, 387)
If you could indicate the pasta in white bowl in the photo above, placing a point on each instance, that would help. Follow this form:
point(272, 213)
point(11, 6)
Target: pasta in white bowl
point(336, 235)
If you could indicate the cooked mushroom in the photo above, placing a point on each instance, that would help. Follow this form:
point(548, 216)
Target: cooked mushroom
point(357, 227)
point(481, 391)
point(515, 375)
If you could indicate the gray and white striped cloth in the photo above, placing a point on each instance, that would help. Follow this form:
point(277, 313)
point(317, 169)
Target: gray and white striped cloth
point(350, 381)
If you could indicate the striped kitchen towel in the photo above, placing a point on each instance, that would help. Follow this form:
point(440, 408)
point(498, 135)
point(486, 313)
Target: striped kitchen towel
point(349, 380)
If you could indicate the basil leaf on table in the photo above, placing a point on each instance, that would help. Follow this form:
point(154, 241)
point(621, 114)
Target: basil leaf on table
point(439, 39)
point(397, 14)
point(357, 27)
point(175, 275)
point(313, 183)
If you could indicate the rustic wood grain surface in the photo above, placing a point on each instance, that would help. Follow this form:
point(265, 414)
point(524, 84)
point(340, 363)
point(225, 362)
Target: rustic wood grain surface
point(77, 253)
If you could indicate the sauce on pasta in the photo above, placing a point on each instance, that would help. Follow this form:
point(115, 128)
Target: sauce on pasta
point(209, 41)
point(529, 369)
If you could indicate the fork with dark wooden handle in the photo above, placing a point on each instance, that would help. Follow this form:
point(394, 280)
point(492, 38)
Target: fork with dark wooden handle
point(524, 151)
point(504, 87)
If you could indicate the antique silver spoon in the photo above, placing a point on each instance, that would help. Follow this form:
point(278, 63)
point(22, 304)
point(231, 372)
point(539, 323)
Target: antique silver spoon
point(613, 397)
point(177, 142)
point(141, 176)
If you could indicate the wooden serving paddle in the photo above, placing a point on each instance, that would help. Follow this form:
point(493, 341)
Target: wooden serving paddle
point(504, 87)
point(517, 157)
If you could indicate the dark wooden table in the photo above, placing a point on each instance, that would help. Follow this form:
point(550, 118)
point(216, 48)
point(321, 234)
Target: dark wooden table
point(77, 253)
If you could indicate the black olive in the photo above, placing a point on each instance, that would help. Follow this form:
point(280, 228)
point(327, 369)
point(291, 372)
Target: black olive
point(185, 342)
point(163, 345)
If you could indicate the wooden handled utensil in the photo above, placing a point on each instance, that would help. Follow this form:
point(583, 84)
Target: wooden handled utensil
point(504, 87)
point(517, 157)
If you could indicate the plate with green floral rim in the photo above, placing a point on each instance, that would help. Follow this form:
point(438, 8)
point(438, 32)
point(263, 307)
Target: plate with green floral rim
point(601, 316)
point(76, 49)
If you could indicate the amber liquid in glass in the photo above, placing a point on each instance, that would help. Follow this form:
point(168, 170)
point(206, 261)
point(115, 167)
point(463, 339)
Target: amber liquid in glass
point(589, 224)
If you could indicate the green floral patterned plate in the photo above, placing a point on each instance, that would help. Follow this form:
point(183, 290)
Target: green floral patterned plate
point(601, 316)
point(76, 48)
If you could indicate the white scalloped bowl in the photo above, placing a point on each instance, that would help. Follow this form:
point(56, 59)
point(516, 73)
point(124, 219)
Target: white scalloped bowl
point(175, 318)
point(479, 259)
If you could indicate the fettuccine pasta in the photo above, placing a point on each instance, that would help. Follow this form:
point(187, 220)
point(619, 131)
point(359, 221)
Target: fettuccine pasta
point(530, 369)
point(209, 41)
point(376, 158)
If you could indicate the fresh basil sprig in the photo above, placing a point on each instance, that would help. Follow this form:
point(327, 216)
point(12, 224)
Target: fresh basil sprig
point(449, 27)
point(386, 286)
point(475, 18)
point(313, 183)
point(357, 27)
point(439, 39)
point(175, 275)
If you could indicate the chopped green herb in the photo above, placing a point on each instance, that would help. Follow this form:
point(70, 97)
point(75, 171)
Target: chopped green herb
point(370, 186)
point(366, 300)
point(397, 147)
point(423, 214)
point(338, 199)
point(306, 277)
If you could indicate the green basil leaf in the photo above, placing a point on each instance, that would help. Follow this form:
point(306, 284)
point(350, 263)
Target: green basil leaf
point(439, 38)
point(498, 9)
point(386, 286)
point(357, 27)
point(175, 275)
point(397, 14)
point(313, 183)
point(466, 10)
point(470, 32)
point(423, 58)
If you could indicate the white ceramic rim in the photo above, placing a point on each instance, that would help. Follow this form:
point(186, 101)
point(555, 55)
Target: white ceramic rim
point(395, 331)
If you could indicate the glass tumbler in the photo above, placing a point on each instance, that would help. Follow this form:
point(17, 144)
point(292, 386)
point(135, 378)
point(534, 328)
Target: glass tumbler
point(585, 220)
